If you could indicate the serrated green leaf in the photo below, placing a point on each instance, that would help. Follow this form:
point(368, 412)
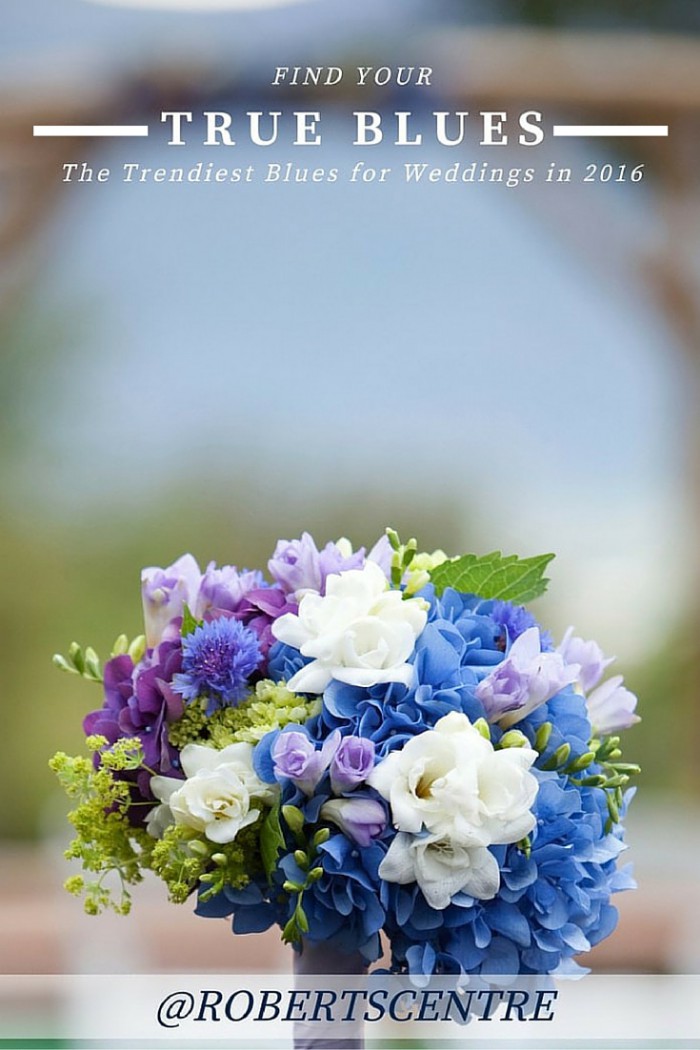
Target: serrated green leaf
point(189, 623)
point(509, 578)
point(271, 840)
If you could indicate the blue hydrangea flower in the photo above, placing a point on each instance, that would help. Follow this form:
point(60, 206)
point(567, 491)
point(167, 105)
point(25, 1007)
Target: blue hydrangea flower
point(551, 904)
point(218, 659)
point(465, 638)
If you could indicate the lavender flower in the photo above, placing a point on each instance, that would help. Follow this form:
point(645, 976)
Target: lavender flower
point(361, 819)
point(523, 681)
point(295, 756)
point(224, 589)
point(382, 554)
point(588, 655)
point(352, 763)
point(218, 660)
point(259, 610)
point(298, 566)
point(165, 592)
point(611, 707)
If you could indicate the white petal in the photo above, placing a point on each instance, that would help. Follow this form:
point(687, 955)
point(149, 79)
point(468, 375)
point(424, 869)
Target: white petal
point(398, 864)
point(163, 787)
point(290, 630)
point(312, 678)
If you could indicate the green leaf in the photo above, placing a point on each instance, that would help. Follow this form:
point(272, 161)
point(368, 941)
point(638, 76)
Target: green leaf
point(271, 839)
point(509, 578)
point(189, 624)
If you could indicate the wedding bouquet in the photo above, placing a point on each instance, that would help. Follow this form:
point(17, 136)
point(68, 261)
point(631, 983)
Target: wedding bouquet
point(371, 751)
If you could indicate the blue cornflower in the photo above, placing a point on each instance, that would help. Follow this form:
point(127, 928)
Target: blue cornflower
point(218, 659)
point(515, 620)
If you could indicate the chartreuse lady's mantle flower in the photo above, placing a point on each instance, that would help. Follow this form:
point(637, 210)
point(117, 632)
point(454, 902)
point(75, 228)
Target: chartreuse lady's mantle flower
point(359, 632)
point(452, 795)
point(219, 795)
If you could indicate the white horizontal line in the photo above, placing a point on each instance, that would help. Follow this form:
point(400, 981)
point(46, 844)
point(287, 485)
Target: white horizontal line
point(90, 130)
point(613, 130)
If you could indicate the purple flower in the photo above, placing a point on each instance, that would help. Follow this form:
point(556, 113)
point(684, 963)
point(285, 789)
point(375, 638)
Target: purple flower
point(523, 681)
point(224, 589)
point(611, 707)
point(218, 659)
point(165, 592)
point(298, 566)
point(141, 703)
point(352, 763)
point(361, 819)
point(259, 610)
point(588, 655)
point(382, 554)
point(295, 756)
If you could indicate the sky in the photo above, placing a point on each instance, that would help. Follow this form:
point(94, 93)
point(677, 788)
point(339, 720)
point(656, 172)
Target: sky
point(453, 338)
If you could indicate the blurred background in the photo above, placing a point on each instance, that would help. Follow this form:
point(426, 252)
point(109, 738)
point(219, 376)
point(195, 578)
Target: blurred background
point(210, 367)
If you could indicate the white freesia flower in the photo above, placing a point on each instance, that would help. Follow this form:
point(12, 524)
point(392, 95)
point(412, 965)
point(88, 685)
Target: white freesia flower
point(359, 632)
point(441, 868)
point(218, 795)
point(451, 783)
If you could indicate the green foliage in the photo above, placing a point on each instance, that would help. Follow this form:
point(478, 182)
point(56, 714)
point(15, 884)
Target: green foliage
point(189, 622)
point(178, 861)
point(509, 578)
point(184, 859)
point(612, 775)
point(271, 839)
point(86, 664)
point(271, 706)
point(235, 863)
point(135, 649)
point(105, 842)
point(402, 556)
point(309, 872)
